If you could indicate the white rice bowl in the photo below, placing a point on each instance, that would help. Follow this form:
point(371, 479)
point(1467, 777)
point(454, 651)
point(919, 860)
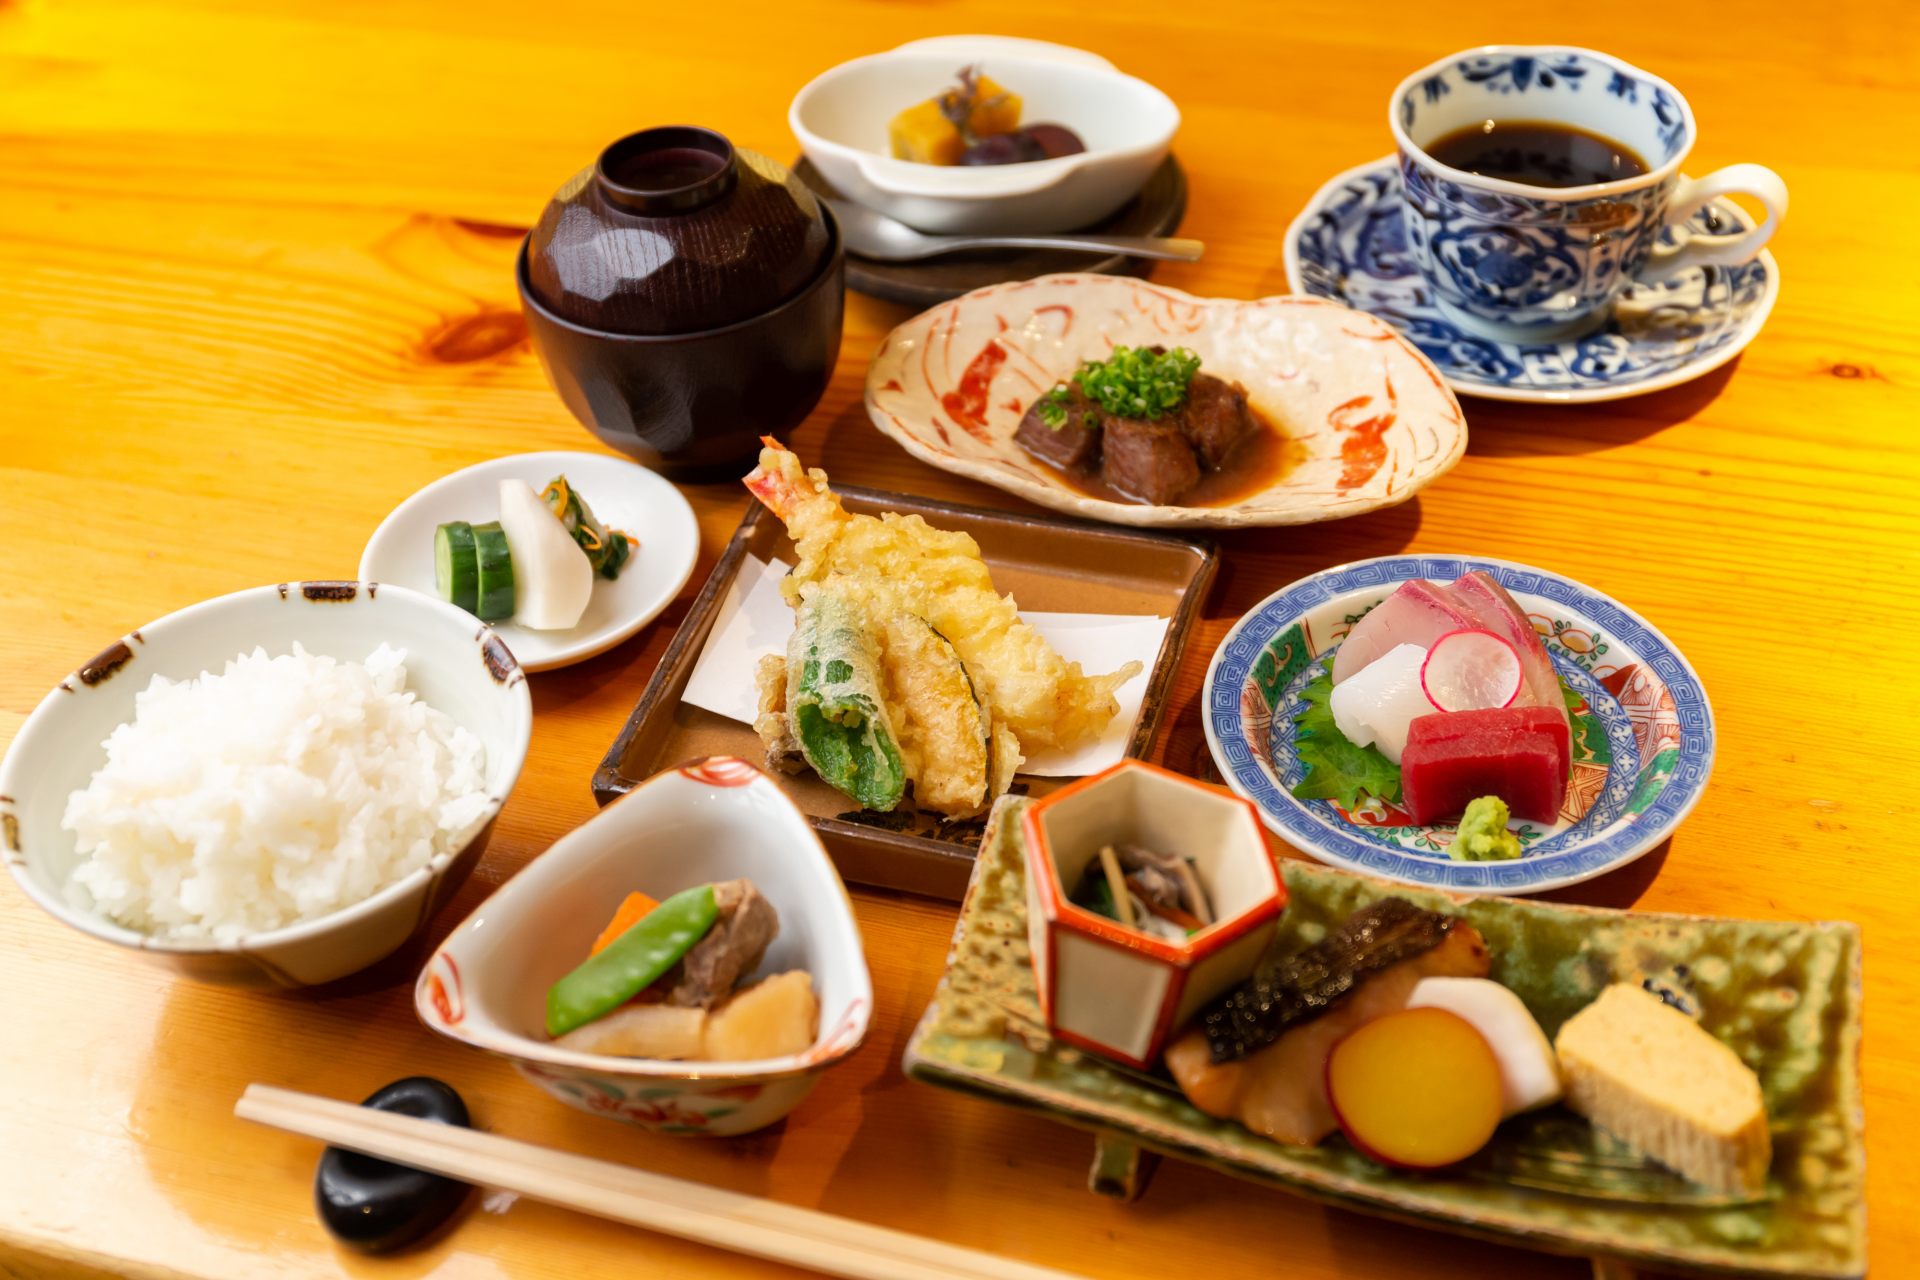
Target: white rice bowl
point(281, 790)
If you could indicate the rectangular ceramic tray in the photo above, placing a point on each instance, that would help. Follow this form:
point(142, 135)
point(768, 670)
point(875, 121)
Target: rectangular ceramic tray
point(1785, 995)
point(1047, 563)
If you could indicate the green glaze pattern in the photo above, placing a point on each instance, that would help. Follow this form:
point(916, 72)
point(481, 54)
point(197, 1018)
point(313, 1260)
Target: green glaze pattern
point(1785, 995)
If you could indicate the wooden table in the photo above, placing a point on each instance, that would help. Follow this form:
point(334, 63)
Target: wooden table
point(255, 289)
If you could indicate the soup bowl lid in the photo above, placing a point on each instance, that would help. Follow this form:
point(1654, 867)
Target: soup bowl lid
point(675, 230)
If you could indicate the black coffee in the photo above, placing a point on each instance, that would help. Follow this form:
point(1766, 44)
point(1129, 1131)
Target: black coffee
point(1540, 153)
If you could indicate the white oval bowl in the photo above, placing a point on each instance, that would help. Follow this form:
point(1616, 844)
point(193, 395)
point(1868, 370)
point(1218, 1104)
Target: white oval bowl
point(1128, 125)
point(708, 820)
point(1317, 370)
point(454, 663)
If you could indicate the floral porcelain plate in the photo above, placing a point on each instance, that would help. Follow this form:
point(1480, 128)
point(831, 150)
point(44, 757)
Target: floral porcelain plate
point(1349, 245)
point(1642, 729)
point(1784, 994)
point(1368, 419)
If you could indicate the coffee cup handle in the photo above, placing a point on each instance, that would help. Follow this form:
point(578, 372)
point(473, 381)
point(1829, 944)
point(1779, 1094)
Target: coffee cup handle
point(1693, 195)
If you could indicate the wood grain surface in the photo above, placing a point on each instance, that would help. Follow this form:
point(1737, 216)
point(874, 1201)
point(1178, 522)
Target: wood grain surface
point(255, 290)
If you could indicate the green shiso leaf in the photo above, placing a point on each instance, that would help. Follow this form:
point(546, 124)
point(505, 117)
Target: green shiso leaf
point(1336, 768)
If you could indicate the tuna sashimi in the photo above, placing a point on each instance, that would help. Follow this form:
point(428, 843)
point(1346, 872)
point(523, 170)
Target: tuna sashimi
point(1418, 612)
point(1444, 726)
point(1520, 754)
point(1500, 613)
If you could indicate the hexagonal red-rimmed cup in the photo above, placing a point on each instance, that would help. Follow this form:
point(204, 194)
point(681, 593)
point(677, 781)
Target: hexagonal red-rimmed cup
point(1115, 991)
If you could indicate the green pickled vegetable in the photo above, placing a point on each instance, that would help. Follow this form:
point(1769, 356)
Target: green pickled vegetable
point(605, 551)
point(619, 551)
point(494, 563)
point(631, 962)
point(1482, 835)
point(456, 568)
point(835, 703)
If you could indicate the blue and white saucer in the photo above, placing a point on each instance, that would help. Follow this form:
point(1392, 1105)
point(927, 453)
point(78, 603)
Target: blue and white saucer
point(1349, 245)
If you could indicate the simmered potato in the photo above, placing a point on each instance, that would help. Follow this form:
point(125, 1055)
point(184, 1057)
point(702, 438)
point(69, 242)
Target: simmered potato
point(923, 134)
point(642, 1031)
point(774, 1017)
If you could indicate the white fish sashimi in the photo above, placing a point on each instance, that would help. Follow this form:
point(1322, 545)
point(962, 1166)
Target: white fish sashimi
point(1417, 613)
point(1376, 707)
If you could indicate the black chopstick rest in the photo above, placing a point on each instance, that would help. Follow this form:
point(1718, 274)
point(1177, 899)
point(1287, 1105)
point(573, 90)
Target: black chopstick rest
point(376, 1206)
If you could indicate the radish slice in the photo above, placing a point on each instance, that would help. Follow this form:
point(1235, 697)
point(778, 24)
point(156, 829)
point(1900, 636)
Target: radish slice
point(553, 578)
point(1471, 671)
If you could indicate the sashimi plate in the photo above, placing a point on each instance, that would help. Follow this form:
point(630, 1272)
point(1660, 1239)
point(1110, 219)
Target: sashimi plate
point(1784, 994)
point(1643, 735)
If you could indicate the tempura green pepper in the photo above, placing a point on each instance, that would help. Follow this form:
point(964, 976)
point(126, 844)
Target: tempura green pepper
point(835, 703)
point(629, 964)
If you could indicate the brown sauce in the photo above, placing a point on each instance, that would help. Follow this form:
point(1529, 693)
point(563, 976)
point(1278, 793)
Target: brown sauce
point(1264, 458)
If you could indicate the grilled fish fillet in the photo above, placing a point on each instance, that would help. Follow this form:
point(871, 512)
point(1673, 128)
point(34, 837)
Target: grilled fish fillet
point(1280, 1091)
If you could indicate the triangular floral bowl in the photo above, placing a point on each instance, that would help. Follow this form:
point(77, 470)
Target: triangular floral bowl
point(708, 820)
point(1643, 733)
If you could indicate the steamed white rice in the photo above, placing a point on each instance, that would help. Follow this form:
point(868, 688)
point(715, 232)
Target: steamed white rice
point(280, 790)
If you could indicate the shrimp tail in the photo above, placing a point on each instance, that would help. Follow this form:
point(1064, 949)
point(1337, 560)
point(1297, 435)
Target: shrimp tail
point(778, 481)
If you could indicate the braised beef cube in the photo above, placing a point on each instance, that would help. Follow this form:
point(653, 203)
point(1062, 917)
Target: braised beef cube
point(1073, 444)
point(1215, 418)
point(730, 951)
point(1151, 461)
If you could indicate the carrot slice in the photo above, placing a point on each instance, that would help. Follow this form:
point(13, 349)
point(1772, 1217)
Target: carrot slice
point(631, 912)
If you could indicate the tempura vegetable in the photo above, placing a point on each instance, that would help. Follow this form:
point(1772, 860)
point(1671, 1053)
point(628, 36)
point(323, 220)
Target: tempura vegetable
point(893, 564)
point(946, 733)
point(770, 715)
point(836, 703)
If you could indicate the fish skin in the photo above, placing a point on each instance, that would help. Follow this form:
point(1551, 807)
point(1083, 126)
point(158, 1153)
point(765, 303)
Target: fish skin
point(1418, 612)
point(1281, 1091)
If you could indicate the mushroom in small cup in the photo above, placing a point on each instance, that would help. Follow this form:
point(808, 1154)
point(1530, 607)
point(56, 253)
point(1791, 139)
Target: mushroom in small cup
point(1148, 895)
point(509, 978)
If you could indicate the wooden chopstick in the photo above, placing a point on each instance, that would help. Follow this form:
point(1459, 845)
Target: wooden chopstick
point(724, 1219)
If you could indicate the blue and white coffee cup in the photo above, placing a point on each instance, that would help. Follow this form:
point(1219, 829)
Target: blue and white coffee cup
point(1521, 263)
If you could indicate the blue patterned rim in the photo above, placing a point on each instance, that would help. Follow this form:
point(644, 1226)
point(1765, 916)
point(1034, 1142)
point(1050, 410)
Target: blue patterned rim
point(1349, 245)
point(1610, 835)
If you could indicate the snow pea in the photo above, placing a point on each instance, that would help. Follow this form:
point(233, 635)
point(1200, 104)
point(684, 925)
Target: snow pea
point(632, 961)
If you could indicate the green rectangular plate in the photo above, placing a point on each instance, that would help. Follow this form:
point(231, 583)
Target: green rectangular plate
point(1784, 995)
